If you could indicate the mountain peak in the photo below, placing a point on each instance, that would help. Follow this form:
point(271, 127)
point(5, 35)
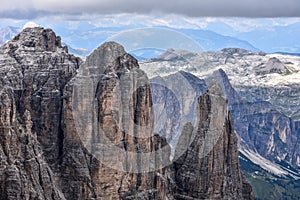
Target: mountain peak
point(220, 77)
point(39, 38)
point(107, 53)
point(112, 45)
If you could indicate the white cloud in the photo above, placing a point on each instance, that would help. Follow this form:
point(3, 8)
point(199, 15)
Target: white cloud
point(123, 21)
point(210, 19)
point(198, 22)
point(247, 24)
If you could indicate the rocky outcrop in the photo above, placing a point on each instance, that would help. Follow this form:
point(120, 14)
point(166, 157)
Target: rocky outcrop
point(220, 77)
point(260, 126)
point(206, 164)
point(173, 105)
point(267, 131)
point(34, 70)
point(209, 169)
point(274, 65)
point(74, 130)
point(119, 128)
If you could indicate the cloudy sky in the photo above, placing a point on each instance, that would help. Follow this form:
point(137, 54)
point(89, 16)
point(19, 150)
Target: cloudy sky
point(81, 20)
point(18, 9)
point(241, 15)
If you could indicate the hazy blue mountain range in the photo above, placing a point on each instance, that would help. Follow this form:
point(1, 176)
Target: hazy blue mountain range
point(212, 41)
point(217, 35)
point(90, 38)
point(278, 39)
point(6, 33)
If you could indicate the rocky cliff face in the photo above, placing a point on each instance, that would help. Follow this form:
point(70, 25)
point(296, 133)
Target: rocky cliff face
point(34, 71)
point(210, 167)
point(264, 101)
point(263, 129)
point(74, 130)
point(267, 137)
point(118, 130)
point(173, 105)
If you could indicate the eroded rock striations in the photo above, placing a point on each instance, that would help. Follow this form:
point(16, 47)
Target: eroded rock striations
point(210, 167)
point(34, 70)
point(74, 130)
point(175, 101)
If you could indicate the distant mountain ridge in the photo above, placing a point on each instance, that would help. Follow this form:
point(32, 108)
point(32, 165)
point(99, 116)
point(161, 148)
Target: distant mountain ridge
point(212, 41)
point(276, 39)
point(89, 39)
point(7, 33)
point(281, 37)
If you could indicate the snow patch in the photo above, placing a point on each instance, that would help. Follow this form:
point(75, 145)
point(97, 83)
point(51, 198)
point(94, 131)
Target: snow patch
point(30, 25)
point(268, 165)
